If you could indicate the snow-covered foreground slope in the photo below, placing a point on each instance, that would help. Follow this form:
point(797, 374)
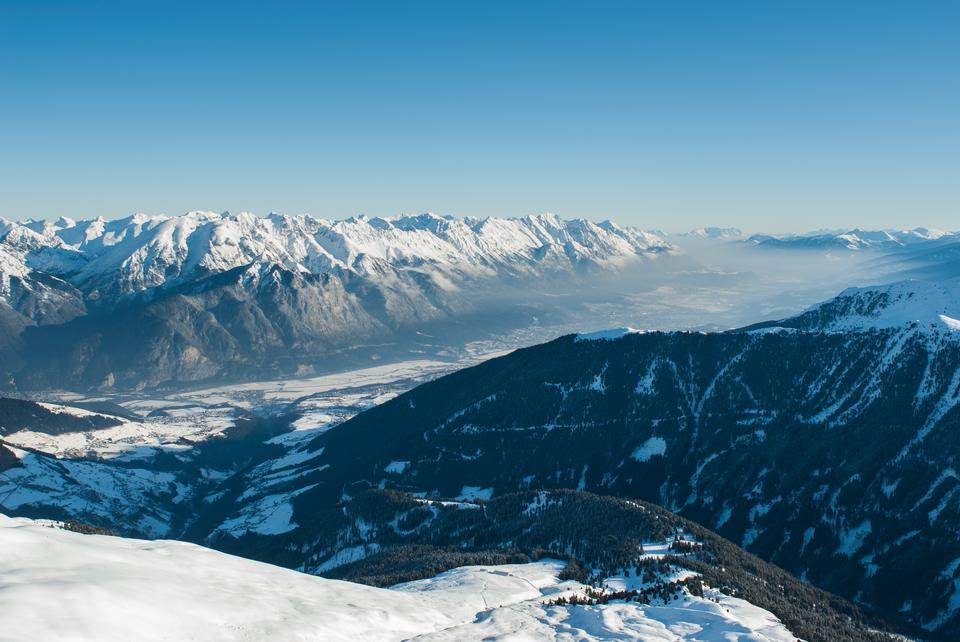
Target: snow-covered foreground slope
point(59, 585)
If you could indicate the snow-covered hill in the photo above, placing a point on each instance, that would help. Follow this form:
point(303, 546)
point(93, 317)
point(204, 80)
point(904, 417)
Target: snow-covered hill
point(59, 585)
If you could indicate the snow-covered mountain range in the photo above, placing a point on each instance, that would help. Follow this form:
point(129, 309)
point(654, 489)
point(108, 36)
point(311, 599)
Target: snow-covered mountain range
point(855, 239)
point(148, 300)
point(119, 257)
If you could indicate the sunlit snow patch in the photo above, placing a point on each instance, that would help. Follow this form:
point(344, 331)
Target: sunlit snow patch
point(949, 322)
point(396, 467)
point(607, 335)
point(470, 493)
point(653, 447)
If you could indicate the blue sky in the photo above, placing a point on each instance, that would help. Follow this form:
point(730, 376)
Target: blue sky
point(776, 116)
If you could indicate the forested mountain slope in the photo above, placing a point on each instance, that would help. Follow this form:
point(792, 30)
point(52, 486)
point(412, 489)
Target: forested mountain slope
point(826, 443)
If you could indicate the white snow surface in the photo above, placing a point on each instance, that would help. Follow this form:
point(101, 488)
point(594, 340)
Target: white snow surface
point(653, 447)
point(58, 585)
point(471, 493)
point(611, 334)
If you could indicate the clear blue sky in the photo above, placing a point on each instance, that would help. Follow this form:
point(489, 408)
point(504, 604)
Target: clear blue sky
point(770, 115)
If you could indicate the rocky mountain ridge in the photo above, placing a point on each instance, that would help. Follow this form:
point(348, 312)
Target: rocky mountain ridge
point(153, 300)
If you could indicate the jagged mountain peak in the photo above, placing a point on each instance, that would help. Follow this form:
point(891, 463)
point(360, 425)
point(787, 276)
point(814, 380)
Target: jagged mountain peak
point(178, 281)
point(143, 251)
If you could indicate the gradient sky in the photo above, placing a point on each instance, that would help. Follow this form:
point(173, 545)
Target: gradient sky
point(775, 115)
